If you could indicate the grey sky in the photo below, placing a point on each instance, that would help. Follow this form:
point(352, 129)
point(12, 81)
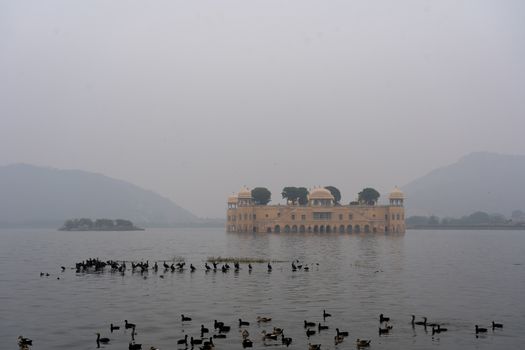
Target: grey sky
point(193, 99)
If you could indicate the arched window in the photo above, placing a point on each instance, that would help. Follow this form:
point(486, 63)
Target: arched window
point(349, 229)
point(302, 229)
point(287, 229)
point(316, 229)
point(294, 228)
point(357, 229)
point(277, 229)
point(367, 229)
point(342, 229)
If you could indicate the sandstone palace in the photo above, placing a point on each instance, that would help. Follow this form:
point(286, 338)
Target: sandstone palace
point(319, 213)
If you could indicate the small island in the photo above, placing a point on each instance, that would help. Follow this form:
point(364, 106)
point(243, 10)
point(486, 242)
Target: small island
point(85, 224)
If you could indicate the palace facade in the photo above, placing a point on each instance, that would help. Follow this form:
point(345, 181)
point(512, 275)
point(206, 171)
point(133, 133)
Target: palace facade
point(320, 215)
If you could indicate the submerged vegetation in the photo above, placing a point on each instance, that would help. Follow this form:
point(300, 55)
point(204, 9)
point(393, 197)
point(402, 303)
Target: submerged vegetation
point(246, 260)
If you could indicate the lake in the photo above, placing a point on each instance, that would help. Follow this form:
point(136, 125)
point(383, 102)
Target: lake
point(456, 278)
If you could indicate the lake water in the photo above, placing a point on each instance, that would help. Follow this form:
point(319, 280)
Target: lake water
point(456, 278)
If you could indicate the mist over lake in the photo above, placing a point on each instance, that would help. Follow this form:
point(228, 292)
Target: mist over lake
point(456, 278)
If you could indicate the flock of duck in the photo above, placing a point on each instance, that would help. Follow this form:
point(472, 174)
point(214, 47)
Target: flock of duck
point(274, 337)
point(96, 265)
point(205, 340)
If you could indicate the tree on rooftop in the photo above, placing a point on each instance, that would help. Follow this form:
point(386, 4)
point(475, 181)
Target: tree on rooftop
point(302, 195)
point(261, 195)
point(335, 192)
point(290, 193)
point(368, 196)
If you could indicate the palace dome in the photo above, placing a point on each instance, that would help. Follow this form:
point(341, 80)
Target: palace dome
point(245, 193)
point(396, 194)
point(232, 199)
point(320, 193)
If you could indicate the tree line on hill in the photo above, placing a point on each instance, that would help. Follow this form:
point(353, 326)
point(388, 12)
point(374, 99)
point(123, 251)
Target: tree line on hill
point(86, 224)
point(299, 195)
point(478, 218)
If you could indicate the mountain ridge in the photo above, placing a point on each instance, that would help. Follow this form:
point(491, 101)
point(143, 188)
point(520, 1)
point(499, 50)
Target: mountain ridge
point(34, 194)
point(479, 181)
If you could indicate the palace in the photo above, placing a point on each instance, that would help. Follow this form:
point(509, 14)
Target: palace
point(320, 215)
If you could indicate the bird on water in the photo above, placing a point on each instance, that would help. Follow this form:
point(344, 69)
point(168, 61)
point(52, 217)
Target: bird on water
point(183, 341)
point(480, 329)
point(361, 343)
point(496, 325)
point(102, 340)
point(325, 315)
point(22, 341)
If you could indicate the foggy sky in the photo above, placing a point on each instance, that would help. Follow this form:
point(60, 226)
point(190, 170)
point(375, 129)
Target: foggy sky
point(193, 99)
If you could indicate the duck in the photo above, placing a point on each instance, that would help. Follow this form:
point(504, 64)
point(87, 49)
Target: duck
point(217, 324)
point(384, 330)
point(209, 342)
point(24, 341)
point(185, 319)
point(247, 343)
point(102, 340)
point(309, 332)
point(204, 330)
point(480, 330)
point(308, 324)
point(243, 323)
point(277, 331)
point(192, 268)
point(338, 339)
point(113, 328)
point(496, 325)
point(134, 346)
point(219, 336)
point(441, 329)
point(270, 336)
point(314, 346)
point(269, 267)
point(325, 315)
point(342, 334)
point(224, 329)
point(245, 334)
point(263, 319)
point(128, 325)
point(321, 327)
point(195, 341)
point(250, 267)
point(419, 323)
point(361, 343)
point(383, 318)
point(285, 341)
point(183, 341)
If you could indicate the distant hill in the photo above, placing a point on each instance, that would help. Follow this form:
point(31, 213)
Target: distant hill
point(482, 181)
point(46, 197)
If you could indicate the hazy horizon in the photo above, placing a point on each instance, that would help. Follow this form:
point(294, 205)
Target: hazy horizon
point(195, 100)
